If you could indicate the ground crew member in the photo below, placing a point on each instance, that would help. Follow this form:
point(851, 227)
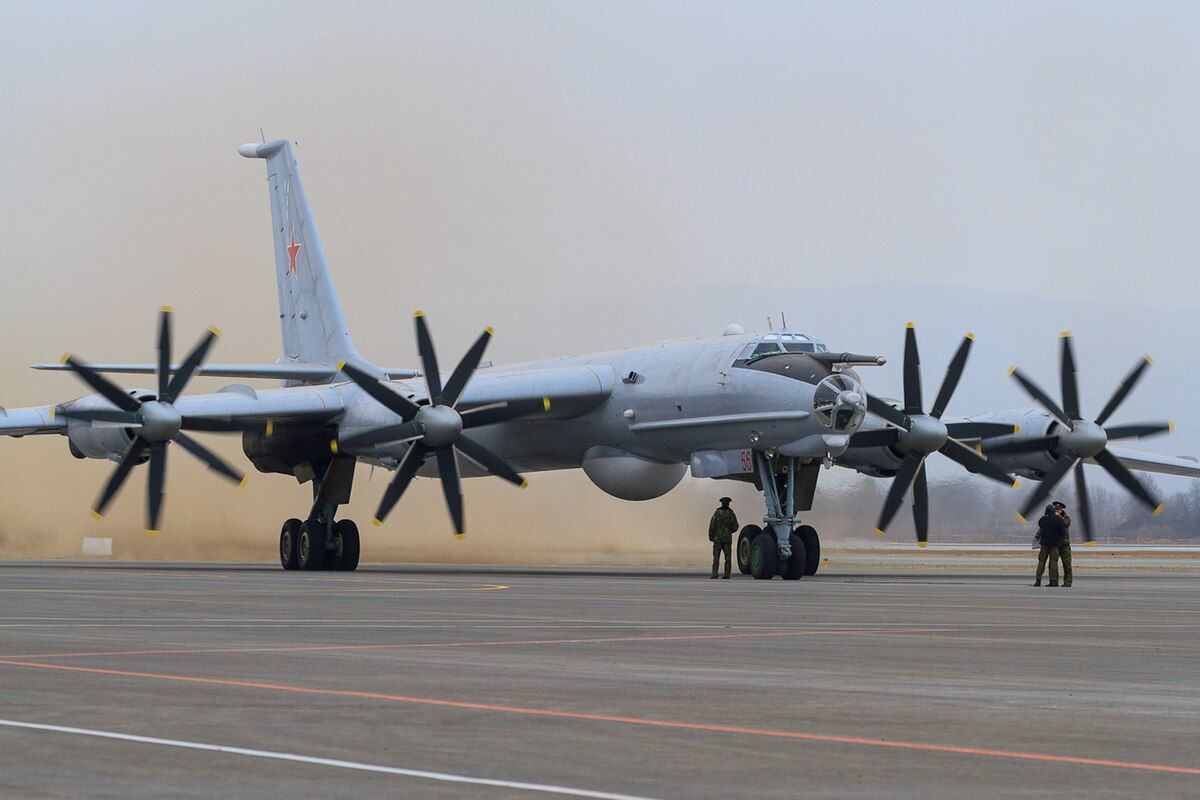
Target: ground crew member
point(721, 527)
point(1064, 547)
point(1049, 535)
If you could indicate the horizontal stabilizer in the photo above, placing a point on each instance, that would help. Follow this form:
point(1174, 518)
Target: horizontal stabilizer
point(1184, 466)
point(304, 373)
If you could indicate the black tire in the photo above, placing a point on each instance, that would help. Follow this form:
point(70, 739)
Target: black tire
point(345, 535)
point(744, 540)
point(764, 557)
point(289, 537)
point(812, 548)
point(792, 568)
point(310, 552)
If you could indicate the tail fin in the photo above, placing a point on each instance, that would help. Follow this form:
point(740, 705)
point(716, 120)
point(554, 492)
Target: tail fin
point(314, 330)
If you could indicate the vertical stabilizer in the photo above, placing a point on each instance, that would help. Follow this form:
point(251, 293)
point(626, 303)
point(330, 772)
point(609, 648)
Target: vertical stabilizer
point(314, 330)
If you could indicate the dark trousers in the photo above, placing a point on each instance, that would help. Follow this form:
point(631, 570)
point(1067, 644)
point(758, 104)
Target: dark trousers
point(1064, 552)
point(1050, 553)
point(722, 546)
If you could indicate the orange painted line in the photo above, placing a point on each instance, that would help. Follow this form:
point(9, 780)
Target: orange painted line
point(926, 747)
point(420, 645)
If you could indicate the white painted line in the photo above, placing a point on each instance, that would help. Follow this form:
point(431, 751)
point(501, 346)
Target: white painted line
point(444, 777)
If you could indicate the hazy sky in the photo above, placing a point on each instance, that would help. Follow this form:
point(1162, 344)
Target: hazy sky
point(561, 170)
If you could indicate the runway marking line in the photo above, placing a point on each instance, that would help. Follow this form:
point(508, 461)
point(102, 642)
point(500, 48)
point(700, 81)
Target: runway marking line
point(304, 648)
point(444, 777)
point(895, 744)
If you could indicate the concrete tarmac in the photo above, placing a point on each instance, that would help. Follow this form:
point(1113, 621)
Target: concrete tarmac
point(245, 681)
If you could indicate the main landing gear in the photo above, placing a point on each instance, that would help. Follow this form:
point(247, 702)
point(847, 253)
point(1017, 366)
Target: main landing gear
point(780, 547)
point(320, 542)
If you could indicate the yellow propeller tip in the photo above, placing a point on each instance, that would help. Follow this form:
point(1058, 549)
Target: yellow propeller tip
point(1016, 428)
point(418, 314)
point(970, 336)
point(922, 545)
point(242, 483)
point(1065, 335)
point(65, 358)
point(909, 326)
point(524, 484)
point(1011, 370)
point(214, 330)
point(1089, 544)
point(1021, 519)
point(1017, 483)
point(151, 532)
point(1170, 427)
point(979, 449)
point(878, 532)
point(1149, 358)
point(270, 429)
point(96, 514)
point(545, 403)
point(1157, 511)
point(490, 330)
point(377, 522)
point(460, 536)
point(52, 413)
point(166, 309)
point(341, 365)
point(333, 445)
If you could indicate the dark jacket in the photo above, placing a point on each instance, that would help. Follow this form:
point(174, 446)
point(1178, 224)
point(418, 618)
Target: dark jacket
point(1051, 530)
point(723, 525)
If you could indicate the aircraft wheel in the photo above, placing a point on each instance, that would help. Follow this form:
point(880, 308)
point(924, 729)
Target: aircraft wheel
point(288, 540)
point(346, 545)
point(310, 552)
point(793, 568)
point(812, 548)
point(745, 538)
point(764, 557)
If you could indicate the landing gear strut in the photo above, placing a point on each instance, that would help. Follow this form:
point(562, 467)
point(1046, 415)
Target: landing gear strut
point(320, 542)
point(780, 547)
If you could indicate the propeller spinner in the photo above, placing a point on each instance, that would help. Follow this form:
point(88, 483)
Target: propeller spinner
point(1076, 439)
point(919, 435)
point(437, 428)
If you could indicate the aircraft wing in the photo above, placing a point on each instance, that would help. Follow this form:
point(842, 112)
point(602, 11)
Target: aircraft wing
point(572, 390)
point(300, 403)
point(308, 373)
point(1151, 462)
point(27, 421)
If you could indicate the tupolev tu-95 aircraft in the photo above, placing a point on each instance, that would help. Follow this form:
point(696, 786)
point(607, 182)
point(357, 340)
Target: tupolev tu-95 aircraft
point(770, 409)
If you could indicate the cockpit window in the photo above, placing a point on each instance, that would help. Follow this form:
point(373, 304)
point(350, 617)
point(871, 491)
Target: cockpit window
point(782, 342)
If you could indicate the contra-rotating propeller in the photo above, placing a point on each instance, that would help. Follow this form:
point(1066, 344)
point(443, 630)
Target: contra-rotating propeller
point(918, 435)
point(155, 423)
point(1077, 439)
point(437, 428)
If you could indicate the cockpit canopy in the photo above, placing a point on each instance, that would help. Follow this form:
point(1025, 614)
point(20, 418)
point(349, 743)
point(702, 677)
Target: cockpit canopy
point(781, 342)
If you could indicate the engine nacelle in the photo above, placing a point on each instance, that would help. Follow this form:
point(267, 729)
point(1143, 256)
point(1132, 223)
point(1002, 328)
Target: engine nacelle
point(94, 441)
point(630, 477)
point(1033, 424)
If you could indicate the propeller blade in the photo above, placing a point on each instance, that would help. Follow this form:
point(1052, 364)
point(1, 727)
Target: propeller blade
point(880, 437)
point(1130, 381)
point(132, 454)
point(1137, 431)
point(155, 484)
point(99, 415)
point(1070, 386)
point(188, 368)
point(390, 400)
point(882, 409)
point(489, 461)
point(1123, 476)
point(921, 507)
point(1085, 503)
point(895, 496)
point(106, 388)
point(451, 486)
point(406, 431)
point(953, 374)
point(164, 349)
point(412, 462)
point(912, 372)
point(1056, 474)
point(513, 409)
point(433, 378)
point(466, 369)
point(957, 451)
point(227, 425)
point(1035, 391)
point(980, 430)
point(210, 459)
point(1038, 445)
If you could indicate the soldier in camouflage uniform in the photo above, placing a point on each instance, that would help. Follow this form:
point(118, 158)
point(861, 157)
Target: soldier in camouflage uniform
point(721, 527)
point(1064, 547)
point(1050, 534)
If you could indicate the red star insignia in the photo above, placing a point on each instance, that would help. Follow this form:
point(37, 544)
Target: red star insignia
point(292, 250)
